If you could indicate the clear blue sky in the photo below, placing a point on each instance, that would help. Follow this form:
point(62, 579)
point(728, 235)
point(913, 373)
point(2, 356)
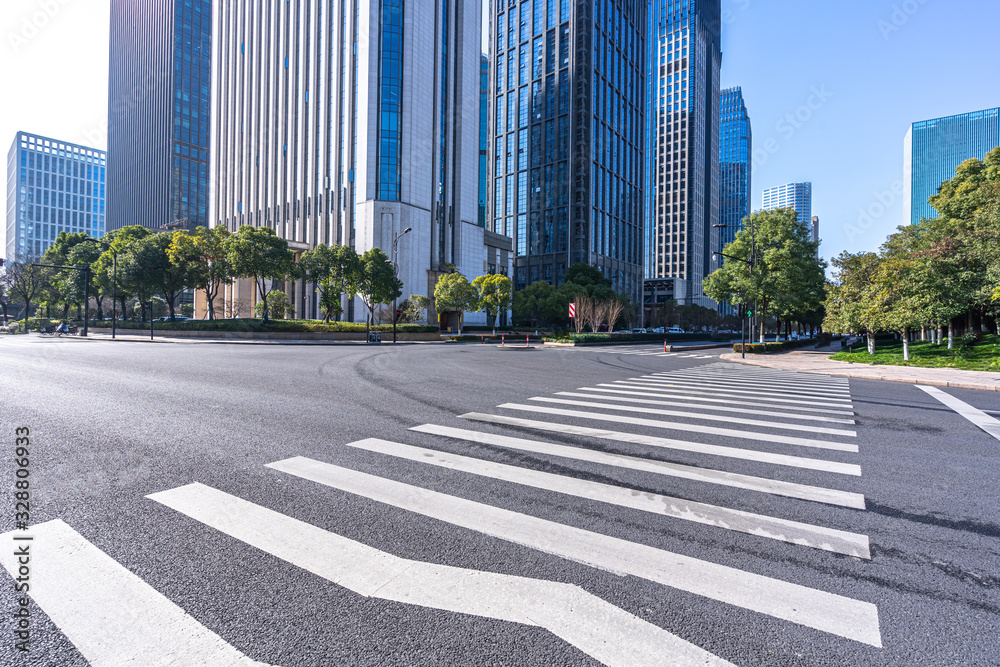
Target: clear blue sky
point(880, 64)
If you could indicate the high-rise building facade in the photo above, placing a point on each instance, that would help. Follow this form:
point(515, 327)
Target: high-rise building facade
point(682, 191)
point(348, 122)
point(158, 113)
point(567, 129)
point(484, 136)
point(52, 187)
point(735, 151)
point(933, 148)
point(791, 195)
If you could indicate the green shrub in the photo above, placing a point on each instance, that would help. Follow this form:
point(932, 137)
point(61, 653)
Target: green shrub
point(33, 324)
point(764, 348)
point(284, 326)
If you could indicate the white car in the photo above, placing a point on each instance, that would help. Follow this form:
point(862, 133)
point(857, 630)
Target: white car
point(675, 330)
point(639, 331)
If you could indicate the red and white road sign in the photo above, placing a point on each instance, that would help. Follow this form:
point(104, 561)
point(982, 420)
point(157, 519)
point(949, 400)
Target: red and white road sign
point(572, 310)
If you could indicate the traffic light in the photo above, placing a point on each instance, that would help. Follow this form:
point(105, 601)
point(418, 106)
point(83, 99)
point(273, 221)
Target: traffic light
point(399, 313)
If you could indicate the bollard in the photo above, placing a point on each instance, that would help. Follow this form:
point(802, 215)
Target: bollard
point(502, 336)
point(527, 340)
point(664, 346)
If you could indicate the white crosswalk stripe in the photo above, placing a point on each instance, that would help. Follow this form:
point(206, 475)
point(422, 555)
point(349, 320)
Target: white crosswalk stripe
point(696, 415)
point(827, 612)
point(795, 532)
point(694, 396)
point(112, 616)
point(567, 611)
point(678, 426)
point(714, 408)
point(760, 397)
point(698, 474)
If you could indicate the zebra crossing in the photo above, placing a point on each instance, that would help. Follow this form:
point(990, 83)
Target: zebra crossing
point(800, 413)
point(647, 350)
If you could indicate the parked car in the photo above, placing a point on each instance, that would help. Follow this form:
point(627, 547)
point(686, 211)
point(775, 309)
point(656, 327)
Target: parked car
point(675, 330)
point(176, 319)
point(639, 331)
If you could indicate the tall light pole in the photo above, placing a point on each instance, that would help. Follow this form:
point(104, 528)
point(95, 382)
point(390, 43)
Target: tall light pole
point(750, 263)
point(114, 285)
point(395, 280)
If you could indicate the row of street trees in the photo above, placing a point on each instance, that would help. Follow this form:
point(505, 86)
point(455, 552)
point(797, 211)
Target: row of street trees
point(940, 274)
point(774, 268)
point(151, 265)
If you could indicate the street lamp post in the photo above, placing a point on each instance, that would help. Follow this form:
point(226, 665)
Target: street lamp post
point(395, 280)
point(114, 285)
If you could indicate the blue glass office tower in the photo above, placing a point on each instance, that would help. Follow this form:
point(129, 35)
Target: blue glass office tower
point(484, 135)
point(791, 195)
point(933, 148)
point(682, 187)
point(735, 150)
point(159, 107)
point(567, 119)
point(52, 186)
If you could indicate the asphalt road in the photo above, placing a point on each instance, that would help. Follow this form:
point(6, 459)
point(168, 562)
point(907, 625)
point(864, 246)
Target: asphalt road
point(625, 550)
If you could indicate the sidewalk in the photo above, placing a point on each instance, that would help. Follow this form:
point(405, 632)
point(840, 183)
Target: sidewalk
point(817, 361)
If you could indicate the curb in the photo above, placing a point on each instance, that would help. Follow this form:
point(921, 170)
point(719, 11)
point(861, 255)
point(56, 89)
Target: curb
point(847, 373)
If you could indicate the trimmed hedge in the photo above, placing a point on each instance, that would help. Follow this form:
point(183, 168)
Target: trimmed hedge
point(764, 348)
point(273, 326)
point(625, 338)
point(33, 324)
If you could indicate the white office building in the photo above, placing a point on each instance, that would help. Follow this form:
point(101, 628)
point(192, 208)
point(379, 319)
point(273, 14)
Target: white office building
point(347, 122)
point(791, 195)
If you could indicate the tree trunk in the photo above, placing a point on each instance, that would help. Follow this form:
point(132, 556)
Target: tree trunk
point(906, 344)
point(951, 334)
point(871, 343)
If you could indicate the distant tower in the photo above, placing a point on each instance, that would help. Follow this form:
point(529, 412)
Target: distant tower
point(791, 195)
point(735, 149)
point(568, 119)
point(933, 148)
point(682, 190)
point(159, 104)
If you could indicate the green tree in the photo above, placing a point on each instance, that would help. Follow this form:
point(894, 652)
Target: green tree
point(586, 275)
point(376, 284)
point(414, 309)
point(533, 303)
point(65, 287)
point(260, 254)
point(494, 292)
point(277, 304)
point(335, 270)
point(786, 275)
point(119, 242)
point(204, 254)
point(26, 282)
point(147, 267)
point(454, 293)
point(856, 282)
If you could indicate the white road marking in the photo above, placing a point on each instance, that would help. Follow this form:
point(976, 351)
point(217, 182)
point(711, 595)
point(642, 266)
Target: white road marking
point(579, 618)
point(727, 370)
point(974, 415)
point(758, 396)
point(698, 415)
point(691, 428)
point(696, 396)
point(751, 382)
point(736, 389)
point(827, 612)
point(112, 616)
point(817, 537)
point(716, 408)
point(679, 445)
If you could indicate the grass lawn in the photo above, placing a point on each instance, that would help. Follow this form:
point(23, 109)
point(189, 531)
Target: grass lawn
point(983, 357)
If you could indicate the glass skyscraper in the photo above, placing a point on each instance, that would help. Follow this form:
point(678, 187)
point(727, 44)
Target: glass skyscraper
point(342, 122)
point(682, 186)
point(933, 149)
point(735, 151)
point(567, 119)
point(159, 107)
point(791, 195)
point(52, 186)
point(484, 136)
